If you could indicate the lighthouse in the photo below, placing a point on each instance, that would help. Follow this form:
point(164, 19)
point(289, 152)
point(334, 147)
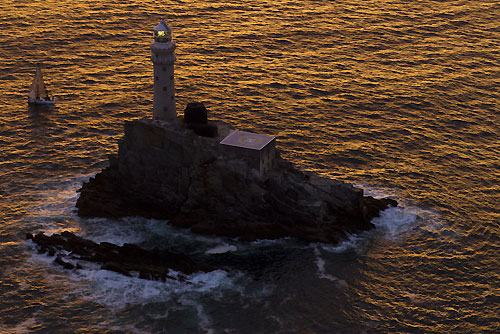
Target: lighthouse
point(163, 57)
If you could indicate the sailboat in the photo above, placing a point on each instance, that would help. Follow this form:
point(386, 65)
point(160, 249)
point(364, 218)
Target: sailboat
point(39, 93)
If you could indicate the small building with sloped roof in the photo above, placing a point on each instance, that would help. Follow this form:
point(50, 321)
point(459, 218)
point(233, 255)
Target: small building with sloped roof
point(257, 149)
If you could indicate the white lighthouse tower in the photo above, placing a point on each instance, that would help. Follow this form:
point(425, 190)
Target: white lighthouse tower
point(163, 57)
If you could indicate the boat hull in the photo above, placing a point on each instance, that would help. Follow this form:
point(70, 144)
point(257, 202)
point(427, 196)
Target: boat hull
point(41, 101)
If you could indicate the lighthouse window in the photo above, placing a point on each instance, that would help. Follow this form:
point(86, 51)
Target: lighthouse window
point(164, 88)
point(171, 77)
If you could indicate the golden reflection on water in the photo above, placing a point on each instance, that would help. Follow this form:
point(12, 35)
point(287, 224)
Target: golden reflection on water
point(401, 96)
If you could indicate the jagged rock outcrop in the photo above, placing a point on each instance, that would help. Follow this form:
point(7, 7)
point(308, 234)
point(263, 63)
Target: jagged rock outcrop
point(124, 259)
point(164, 170)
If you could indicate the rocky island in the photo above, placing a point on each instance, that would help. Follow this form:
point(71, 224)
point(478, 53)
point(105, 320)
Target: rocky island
point(167, 170)
point(206, 176)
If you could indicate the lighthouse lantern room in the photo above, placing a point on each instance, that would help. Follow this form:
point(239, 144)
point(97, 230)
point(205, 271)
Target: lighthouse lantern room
point(163, 57)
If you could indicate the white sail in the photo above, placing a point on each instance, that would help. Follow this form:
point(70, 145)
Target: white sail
point(38, 93)
point(33, 94)
point(42, 91)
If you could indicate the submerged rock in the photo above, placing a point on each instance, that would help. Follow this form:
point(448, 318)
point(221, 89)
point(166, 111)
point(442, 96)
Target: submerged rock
point(124, 259)
point(165, 170)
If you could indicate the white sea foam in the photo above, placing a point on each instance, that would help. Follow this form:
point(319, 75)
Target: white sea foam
point(115, 290)
point(222, 248)
point(392, 224)
point(56, 193)
point(395, 221)
point(268, 242)
point(205, 320)
point(375, 192)
point(116, 231)
point(408, 217)
point(321, 269)
point(137, 230)
point(55, 210)
point(354, 242)
point(118, 292)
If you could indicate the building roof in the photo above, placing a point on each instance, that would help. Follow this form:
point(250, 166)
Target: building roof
point(253, 141)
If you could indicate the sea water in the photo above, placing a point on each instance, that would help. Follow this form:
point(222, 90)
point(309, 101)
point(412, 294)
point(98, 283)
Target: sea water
point(398, 97)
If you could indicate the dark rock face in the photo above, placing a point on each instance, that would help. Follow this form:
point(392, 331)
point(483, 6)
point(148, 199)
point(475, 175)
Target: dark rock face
point(373, 206)
point(121, 259)
point(168, 172)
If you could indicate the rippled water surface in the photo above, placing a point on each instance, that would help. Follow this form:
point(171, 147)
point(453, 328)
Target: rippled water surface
point(400, 97)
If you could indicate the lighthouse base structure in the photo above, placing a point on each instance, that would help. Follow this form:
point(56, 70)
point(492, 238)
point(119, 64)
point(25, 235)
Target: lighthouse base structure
point(166, 171)
point(163, 57)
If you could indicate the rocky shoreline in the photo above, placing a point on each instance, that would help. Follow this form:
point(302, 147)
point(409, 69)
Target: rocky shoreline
point(73, 252)
point(166, 170)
